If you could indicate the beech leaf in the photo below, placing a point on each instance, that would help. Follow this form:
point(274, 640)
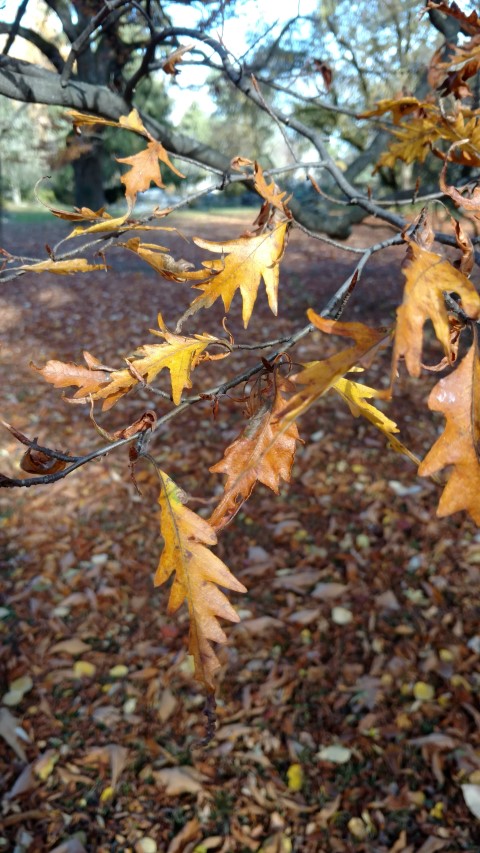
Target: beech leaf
point(198, 573)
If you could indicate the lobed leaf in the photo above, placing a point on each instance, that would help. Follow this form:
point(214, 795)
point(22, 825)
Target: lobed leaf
point(198, 574)
point(319, 376)
point(428, 276)
point(457, 396)
point(247, 260)
point(145, 169)
point(262, 452)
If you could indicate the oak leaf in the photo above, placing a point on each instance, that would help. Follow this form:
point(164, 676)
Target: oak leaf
point(356, 395)
point(247, 260)
point(158, 258)
point(399, 107)
point(179, 354)
point(270, 192)
point(172, 60)
point(132, 121)
point(457, 396)
point(69, 267)
point(318, 377)
point(198, 574)
point(428, 276)
point(261, 452)
point(144, 168)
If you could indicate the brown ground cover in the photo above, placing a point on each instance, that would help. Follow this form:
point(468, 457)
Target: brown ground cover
point(359, 630)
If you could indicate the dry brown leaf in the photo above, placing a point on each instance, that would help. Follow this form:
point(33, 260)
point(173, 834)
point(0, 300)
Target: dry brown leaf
point(9, 731)
point(190, 832)
point(73, 646)
point(457, 397)
point(179, 780)
point(260, 453)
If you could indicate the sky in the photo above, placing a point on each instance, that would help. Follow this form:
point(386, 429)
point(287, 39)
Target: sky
point(258, 15)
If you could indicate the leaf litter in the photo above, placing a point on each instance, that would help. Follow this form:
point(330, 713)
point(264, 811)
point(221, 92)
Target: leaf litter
point(98, 752)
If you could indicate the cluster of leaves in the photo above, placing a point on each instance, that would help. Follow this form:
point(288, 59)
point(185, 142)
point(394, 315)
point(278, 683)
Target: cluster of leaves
point(277, 393)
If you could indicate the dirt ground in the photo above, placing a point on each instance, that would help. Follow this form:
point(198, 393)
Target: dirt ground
point(348, 700)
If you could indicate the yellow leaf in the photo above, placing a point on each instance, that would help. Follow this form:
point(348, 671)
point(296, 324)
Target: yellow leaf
point(457, 396)
point(119, 671)
point(399, 107)
point(83, 668)
point(164, 263)
point(270, 192)
point(130, 122)
point(437, 811)
point(145, 169)
point(356, 395)
point(74, 265)
point(107, 794)
point(427, 277)
point(198, 573)
point(247, 260)
point(295, 777)
point(179, 354)
point(319, 376)
point(423, 692)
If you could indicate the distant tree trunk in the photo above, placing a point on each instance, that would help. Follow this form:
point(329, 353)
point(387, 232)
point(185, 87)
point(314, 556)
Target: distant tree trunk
point(88, 177)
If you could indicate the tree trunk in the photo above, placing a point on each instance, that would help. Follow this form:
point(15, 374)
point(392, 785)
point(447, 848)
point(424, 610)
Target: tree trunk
point(88, 177)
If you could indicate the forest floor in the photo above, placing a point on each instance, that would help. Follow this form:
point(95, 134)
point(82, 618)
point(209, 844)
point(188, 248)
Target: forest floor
point(348, 699)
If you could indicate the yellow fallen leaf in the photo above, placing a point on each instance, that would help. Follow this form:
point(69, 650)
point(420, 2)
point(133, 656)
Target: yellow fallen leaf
point(295, 777)
point(43, 767)
point(423, 692)
point(118, 671)
point(107, 794)
point(83, 668)
point(357, 828)
point(437, 811)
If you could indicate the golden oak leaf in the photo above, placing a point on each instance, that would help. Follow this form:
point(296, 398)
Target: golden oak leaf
point(319, 376)
point(165, 264)
point(198, 574)
point(69, 267)
point(261, 452)
point(65, 374)
point(247, 260)
point(356, 395)
point(179, 354)
point(457, 396)
point(416, 138)
point(428, 275)
point(131, 122)
point(270, 192)
point(399, 107)
point(144, 168)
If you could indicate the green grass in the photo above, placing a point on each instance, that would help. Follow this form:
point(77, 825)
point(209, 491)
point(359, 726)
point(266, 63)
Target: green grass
point(28, 214)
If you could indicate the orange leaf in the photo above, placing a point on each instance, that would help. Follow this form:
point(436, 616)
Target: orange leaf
point(457, 396)
point(270, 192)
point(319, 376)
point(144, 168)
point(247, 260)
point(198, 573)
point(65, 374)
point(169, 66)
point(428, 275)
point(261, 452)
